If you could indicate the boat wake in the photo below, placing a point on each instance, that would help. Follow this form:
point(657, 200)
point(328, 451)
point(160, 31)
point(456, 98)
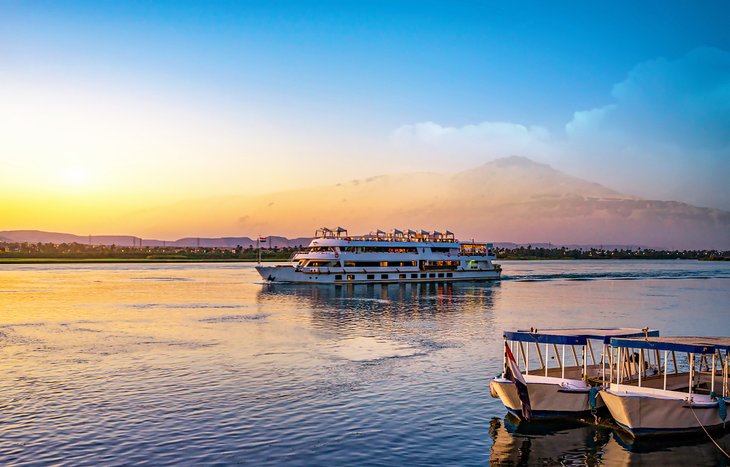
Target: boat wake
point(618, 275)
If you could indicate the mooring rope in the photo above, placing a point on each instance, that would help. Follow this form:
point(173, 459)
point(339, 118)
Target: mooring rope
point(708, 434)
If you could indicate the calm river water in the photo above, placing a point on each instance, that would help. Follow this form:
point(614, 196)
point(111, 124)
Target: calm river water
point(202, 363)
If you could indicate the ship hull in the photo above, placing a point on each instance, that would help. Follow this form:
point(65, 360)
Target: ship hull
point(549, 397)
point(289, 274)
point(645, 412)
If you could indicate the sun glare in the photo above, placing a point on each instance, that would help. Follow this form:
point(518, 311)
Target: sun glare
point(75, 176)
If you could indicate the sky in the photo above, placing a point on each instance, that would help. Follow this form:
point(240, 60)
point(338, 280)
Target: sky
point(107, 107)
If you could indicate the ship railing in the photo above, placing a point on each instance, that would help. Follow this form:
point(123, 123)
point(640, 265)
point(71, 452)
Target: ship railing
point(352, 270)
point(389, 238)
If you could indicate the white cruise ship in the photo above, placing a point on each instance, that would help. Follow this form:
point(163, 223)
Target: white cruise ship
point(334, 257)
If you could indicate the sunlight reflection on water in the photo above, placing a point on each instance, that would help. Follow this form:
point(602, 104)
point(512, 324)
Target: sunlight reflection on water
point(201, 363)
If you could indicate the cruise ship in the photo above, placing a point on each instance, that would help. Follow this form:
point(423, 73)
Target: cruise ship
point(334, 257)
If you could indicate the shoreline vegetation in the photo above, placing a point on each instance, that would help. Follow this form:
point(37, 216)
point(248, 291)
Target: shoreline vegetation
point(39, 253)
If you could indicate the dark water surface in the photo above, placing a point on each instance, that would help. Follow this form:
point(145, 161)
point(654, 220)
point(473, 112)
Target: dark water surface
point(201, 363)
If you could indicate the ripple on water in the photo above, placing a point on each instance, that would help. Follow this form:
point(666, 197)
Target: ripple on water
point(163, 279)
point(192, 306)
point(235, 318)
point(365, 349)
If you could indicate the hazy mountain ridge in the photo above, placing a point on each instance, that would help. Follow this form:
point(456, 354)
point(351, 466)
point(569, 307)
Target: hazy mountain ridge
point(512, 199)
point(38, 236)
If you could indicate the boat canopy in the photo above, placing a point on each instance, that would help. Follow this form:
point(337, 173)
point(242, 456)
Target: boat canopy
point(576, 336)
point(701, 345)
point(326, 232)
point(395, 235)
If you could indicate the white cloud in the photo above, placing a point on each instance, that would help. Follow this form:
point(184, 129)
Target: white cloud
point(685, 101)
point(665, 133)
point(586, 121)
point(474, 144)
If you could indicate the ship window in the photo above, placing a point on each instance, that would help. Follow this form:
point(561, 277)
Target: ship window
point(362, 264)
point(433, 274)
point(383, 276)
point(441, 274)
point(338, 277)
point(398, 263)
point(449, 274)
point(423, 275)
point(371, 276)
point(350, 277)
point(402, 276)
point(414, 276)
point(382, 249)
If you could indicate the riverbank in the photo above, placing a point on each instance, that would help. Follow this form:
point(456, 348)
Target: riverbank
point(265, 260)
point(130, 260)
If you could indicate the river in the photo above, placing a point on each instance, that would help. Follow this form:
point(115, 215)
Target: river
point(202, 363)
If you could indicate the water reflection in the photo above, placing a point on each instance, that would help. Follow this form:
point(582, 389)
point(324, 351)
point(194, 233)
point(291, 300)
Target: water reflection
point(545, 443)
point(566, 442)
point(694, 449)
point(432, 298)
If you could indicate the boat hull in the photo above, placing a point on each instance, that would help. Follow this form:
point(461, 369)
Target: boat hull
point(549, 397)
point(651, 413)
point(289, 274)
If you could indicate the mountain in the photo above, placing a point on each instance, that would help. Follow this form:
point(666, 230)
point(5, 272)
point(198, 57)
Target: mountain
point(38, 236)
point(511, 199)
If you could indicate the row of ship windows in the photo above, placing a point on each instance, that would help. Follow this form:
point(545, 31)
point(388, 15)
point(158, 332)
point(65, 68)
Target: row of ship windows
point(375, 264)
point(375, 249)
point(432, 275)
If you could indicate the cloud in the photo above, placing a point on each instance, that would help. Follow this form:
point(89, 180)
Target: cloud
point(684, 101)
point(476, 143)
point(667, 131)
point(586, 121)
point(663, 133)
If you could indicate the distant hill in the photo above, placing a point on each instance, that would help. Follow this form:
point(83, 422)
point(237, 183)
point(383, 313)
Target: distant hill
point(512, 199)
point(37, 236)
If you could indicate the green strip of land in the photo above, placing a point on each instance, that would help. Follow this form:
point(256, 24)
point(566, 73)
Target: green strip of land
point(46, 253)
point(131, 260)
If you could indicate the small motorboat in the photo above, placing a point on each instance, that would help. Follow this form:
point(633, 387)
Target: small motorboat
point(544, 382)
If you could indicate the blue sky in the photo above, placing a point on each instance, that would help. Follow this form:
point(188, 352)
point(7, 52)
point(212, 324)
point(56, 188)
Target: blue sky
point(366, 87)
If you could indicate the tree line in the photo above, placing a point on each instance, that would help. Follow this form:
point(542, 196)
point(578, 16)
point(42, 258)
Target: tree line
point(60, 251)
point(529, 252)
point(83, 251)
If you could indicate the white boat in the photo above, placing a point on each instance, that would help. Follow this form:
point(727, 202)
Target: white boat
point(648, 396)
point(565, 389)
point(334, 257)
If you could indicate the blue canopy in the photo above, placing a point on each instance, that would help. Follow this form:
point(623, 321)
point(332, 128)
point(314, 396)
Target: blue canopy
point(575, 336)
point(542, 338)
point(720, 343)
point(701, 345)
